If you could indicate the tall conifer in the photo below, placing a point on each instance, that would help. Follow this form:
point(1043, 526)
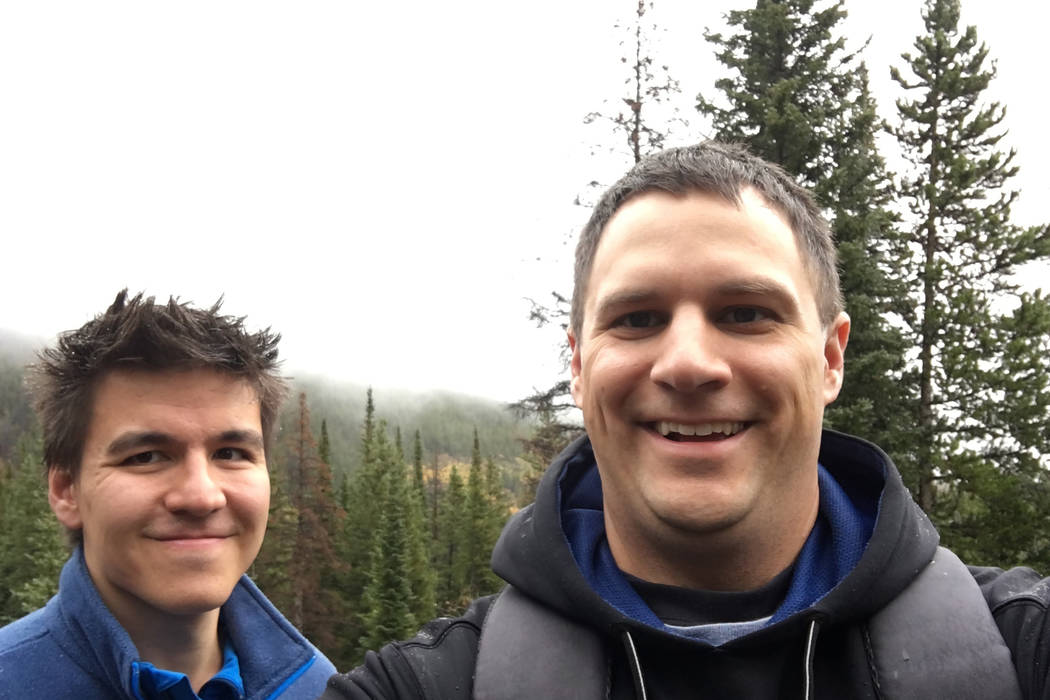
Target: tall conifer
point(317, 604)
point(386, 601)
point(448, 556)
point(417, 471)
point(324, 446)
point(399, 590)
point(980, 381)
point(363, 511)
point(274, 569)
point(473, 554)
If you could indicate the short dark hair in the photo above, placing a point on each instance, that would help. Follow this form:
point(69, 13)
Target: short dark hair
point(136, 333)
point(725, 170)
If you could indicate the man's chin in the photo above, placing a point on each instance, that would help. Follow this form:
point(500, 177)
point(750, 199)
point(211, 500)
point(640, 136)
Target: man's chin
point(192, 606)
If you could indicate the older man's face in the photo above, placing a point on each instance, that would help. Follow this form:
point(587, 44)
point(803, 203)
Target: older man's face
point(703, 369)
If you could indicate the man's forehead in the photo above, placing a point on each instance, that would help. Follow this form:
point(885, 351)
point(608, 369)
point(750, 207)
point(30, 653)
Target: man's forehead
point(696, 211)
point(198, 386)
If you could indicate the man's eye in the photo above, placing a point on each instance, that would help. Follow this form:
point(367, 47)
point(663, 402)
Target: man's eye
point(231, 453)
point(148, 457)
point(639, 319)
point(745, 314)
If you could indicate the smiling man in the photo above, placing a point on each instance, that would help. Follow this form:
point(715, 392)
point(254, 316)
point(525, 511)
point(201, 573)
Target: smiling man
point(707, 538)
point(156, 420)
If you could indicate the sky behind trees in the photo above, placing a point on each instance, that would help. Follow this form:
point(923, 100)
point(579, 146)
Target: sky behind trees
point(384, 184)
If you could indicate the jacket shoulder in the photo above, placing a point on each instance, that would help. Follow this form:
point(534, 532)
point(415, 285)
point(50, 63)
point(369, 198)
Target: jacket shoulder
point(33, 665)
point(275, 659)
point(1019, 599)
point(24, 631)
point(437, 663)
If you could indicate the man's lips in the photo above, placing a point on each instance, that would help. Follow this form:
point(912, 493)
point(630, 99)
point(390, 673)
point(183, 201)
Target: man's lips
point(190, 536)
point(698, 431)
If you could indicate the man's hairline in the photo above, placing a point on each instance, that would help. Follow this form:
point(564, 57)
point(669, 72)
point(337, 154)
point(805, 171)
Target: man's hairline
point(576, 325)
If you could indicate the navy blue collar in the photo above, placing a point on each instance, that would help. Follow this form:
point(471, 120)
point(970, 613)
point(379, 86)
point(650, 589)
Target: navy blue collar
point(159, 684)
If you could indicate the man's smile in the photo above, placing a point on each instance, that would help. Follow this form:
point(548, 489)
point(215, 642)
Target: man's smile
point(697, 432)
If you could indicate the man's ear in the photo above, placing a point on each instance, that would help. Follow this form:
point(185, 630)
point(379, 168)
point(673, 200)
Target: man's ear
point(834, 356)
point(574, 365)
point(62, 496)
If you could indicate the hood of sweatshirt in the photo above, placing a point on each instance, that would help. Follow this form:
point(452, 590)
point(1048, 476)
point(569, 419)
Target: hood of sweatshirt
point(869, 543)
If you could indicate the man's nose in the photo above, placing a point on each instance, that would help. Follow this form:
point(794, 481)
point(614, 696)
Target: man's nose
point(196, 487)
point(691, 354)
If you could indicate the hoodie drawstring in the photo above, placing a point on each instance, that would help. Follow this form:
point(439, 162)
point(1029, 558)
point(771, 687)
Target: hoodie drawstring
point(636, 666)
point(807, 660)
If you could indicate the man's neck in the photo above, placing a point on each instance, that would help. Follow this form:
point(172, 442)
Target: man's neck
point(183, 643)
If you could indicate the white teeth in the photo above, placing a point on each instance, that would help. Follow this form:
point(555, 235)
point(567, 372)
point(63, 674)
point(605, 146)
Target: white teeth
point(665, 428)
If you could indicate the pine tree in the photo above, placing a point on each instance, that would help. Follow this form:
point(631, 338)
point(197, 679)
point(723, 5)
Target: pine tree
point(498, 509)
point(317, 607)
point(368, 428)
point(386, 612)
point(980, 381)
point(420, 573)
point(649, 86)
point(363, 512)
point(32, 546)
point(362, 509)
point(324, 446)
point(399, 591)
point(474, 558)
point(417, 471)
point(274, 568)
point(788, 83)
point(796, 97)
point(448, 557)
point(496, 495)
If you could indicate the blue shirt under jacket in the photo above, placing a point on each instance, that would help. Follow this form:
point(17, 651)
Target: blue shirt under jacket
point(74, 648)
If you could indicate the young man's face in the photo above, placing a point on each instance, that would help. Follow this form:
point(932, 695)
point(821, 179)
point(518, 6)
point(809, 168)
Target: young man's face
point(702, 369)
point(172, 494)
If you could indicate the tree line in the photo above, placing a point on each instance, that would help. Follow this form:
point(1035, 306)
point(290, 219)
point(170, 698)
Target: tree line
point(395, 543)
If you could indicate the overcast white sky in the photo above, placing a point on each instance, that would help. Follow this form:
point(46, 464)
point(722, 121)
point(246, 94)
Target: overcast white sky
point(384, 183)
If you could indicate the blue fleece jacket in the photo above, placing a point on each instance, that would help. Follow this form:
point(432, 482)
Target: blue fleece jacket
point(74, 648)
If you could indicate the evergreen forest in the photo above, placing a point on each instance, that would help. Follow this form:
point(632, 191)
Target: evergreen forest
point(384, 510)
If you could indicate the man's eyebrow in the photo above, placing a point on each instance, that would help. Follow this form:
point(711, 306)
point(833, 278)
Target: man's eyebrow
point(151, 438)
point(755, 286)
point(749, 286)
point(249, 438)
point(138, 439)
point(625, 297)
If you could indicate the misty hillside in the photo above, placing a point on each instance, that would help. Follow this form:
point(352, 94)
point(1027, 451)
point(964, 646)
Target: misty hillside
point(446, 421)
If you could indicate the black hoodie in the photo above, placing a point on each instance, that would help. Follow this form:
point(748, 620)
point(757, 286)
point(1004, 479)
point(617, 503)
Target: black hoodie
point(824, 648)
